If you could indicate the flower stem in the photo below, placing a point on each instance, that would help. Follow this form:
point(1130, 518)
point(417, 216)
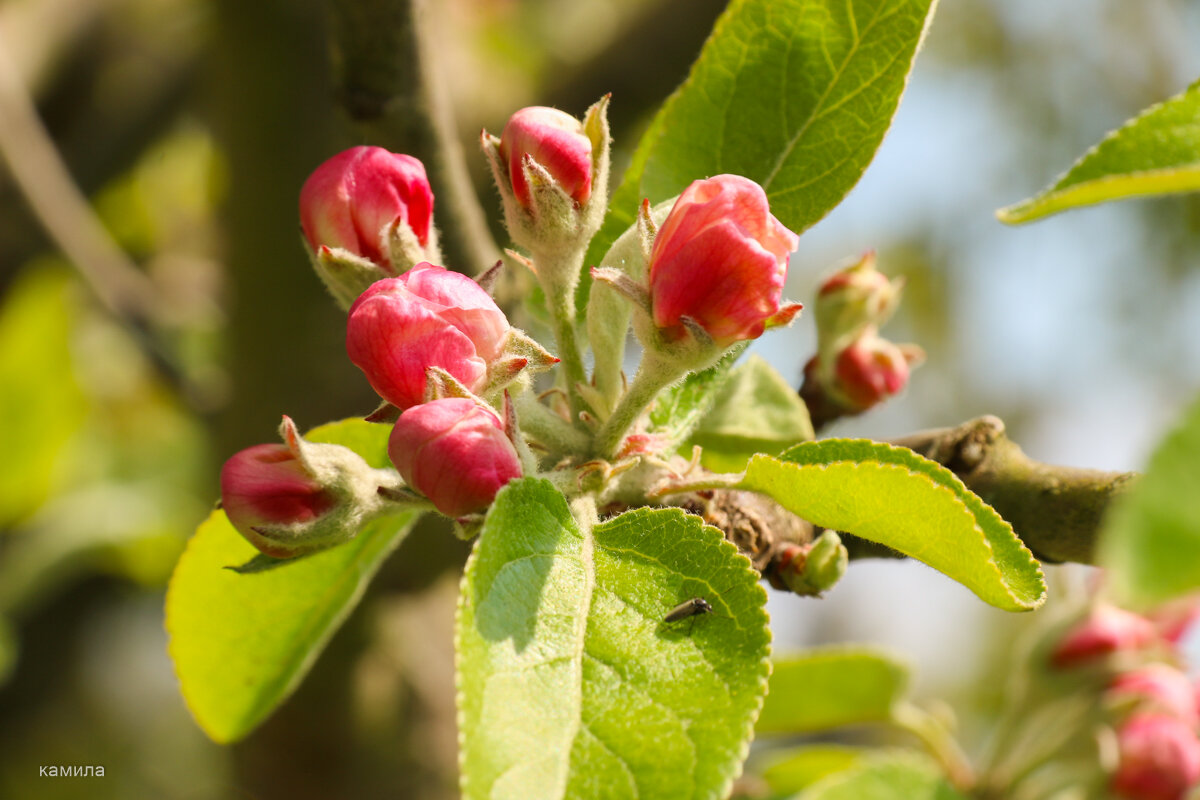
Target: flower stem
point(938, 740)
point(653, 374)
point(558, 274)
point(547, 428)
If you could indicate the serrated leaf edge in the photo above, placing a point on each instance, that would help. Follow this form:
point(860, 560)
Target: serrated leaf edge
point(764, 673)
point(746, 736)
point(1042, 204)
point(948, 482)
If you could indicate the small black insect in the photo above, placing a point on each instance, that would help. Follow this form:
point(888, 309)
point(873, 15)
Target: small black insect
point(688, 608)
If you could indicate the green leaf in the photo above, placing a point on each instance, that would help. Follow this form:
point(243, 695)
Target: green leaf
point(828, 687)
point(1156, 152)
point(730, 435)
point(242, 643)
point(794, 94)
point(893, 496)
point(125, 529)
point(900, 776)
point(800, 768)
point(679, 409)
point(1150, 545)
point(41, 404)
point(570, 682)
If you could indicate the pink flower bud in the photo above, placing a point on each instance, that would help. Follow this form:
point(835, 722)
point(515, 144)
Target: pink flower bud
point(455, 452)
point(556, 141)
point(428, 317)
point(1156, 687)
point(870, 370)
point(267, 486)
point(852, 299)
point(1159, 758)
point(1106, 630)
point(721, 259)
point(1175, 619)
point(353, 199)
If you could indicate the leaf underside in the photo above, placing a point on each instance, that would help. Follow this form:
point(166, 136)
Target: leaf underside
point(897, 498)
point(1156, 152)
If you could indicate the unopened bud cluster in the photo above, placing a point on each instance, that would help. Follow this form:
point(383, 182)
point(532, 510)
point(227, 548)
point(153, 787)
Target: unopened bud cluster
point(1146, 696)
point(692, 277)
point(855, 368)
point(812, 568)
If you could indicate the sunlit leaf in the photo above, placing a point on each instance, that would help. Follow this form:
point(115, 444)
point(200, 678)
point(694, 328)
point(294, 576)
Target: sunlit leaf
point(893, 496)
point(571, 684)
point(794, 94)
point(795, 770)
point(730, 434)
point(900, 776)
point(243, 642)
point(1151, 541)
point(828, 687)
point(1156, 152)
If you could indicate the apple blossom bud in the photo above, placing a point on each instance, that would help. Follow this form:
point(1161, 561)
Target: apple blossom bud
point(719, 262)
point(1159, 758)
point(298, 497)
point(812, 568)
point(455, 452)
point(556, 142)
point(1177, 618)
point(428, 317)
point(851, 300)
point(1155, 687)
point(351, 201)
point(871, 370)
point(552, 173)
point(1105, 631)
point(267, 485)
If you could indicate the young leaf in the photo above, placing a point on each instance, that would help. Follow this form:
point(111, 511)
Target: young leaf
point(794, 94)
point(1150, 545)
point(1156, 152)
point(828, 687)
point(570, 682)
point(730, 436)
point(893, 496)
point(679, 408)
point(242, 642)
point(800, 768)
point(898, 776)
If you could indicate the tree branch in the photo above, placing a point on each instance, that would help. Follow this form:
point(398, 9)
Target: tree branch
point(1055, 511)
point(63, 210)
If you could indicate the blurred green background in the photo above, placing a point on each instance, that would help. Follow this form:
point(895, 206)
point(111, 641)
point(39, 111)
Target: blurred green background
point(191, 125)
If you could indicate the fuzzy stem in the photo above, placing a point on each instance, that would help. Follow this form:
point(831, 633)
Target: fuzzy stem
point(938, 740)
point(548, 428)
point(558, 274)
point(653, 375)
